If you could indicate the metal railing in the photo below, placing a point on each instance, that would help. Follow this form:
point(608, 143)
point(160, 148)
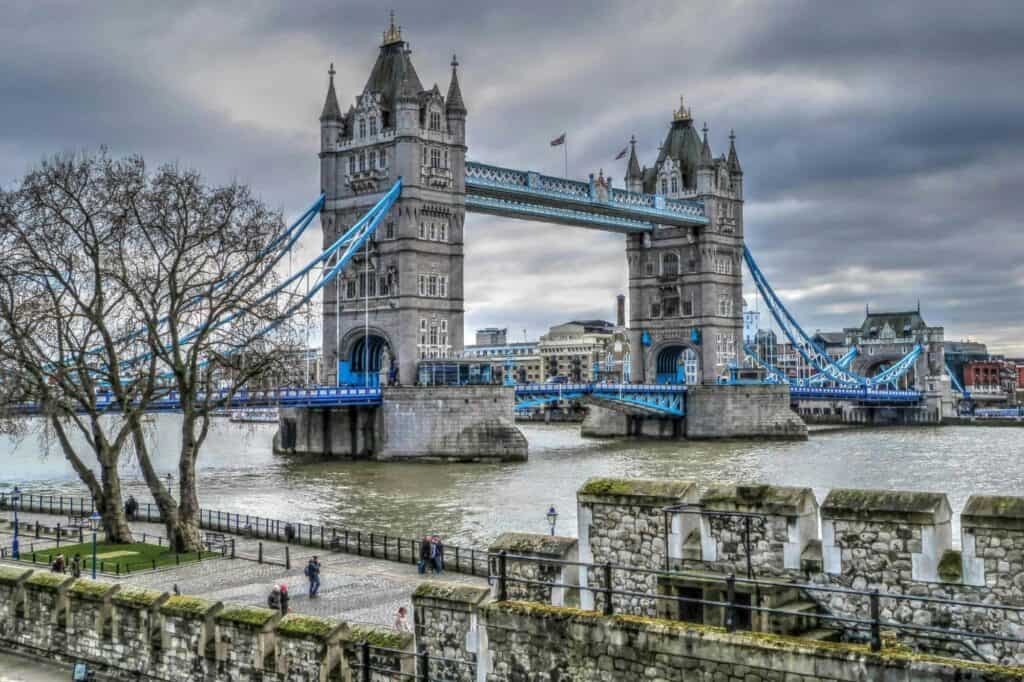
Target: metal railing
point(385, 546)
point(426, 668)
point(854, 627)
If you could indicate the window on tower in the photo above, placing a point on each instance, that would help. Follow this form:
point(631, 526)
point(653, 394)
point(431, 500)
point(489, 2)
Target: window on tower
point(435, 158)
point(362, 127)
point(362, 161)
point(675, 184)
point(373, 125)
point(352, 165)
point(664, 186)
point(373, 159)
point(435, 120)
point(670, 265)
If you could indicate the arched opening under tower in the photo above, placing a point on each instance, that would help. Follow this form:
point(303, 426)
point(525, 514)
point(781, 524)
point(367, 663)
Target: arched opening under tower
point(368, 358)
point(678, 365)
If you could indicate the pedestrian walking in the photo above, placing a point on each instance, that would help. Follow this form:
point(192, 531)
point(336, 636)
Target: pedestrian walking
point(58, 564)
point(313, 573)
point(76, 566)
point(424, 554)
point(274, 598)
point(289, 533)
point(284, 600)
point(437, 554)
point(402, 620)
point(131, 507)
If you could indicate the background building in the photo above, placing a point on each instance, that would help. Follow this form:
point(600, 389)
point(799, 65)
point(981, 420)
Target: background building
point(570, 350)
point(523, 358)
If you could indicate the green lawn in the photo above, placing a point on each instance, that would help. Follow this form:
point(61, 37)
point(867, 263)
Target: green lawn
point(113, 558)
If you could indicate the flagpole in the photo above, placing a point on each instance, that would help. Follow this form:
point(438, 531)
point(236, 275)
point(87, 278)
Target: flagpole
point(566, 145)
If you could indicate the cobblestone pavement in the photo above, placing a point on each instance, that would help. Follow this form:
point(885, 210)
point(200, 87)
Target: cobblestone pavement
point(19, 669)
point(353, 588)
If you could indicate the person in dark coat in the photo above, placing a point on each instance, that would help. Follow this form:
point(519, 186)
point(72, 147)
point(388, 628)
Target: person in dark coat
point(424, 554)
point(284, 600)
point(274, 598)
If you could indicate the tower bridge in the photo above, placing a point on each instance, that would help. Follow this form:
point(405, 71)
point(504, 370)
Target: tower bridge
point(396, 187)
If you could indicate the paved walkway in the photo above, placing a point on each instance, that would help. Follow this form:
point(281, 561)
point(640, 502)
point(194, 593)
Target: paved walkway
point(19, 669)
point(353, 588)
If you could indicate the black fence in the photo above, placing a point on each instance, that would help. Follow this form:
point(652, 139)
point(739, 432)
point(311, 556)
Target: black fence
point(389, 547)
point(867, 628)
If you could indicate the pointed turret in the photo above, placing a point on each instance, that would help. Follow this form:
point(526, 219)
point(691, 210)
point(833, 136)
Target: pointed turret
point(706, 159)
point(331, 112)
point(454, 101)
point(634, 176)
point(734, 159)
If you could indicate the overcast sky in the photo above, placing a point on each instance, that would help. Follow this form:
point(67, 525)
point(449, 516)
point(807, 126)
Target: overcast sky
point(882, 143)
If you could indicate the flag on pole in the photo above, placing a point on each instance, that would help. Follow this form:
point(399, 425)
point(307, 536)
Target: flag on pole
point(621, 154)
point(560, 140)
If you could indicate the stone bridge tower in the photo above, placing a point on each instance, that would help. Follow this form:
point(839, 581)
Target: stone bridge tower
point(407, 291)
point(686, 284)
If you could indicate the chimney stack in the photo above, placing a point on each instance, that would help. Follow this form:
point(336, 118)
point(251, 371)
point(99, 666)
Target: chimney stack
point(620, 310)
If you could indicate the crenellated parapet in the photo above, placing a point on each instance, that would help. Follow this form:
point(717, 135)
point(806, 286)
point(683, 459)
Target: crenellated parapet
point(151, 634)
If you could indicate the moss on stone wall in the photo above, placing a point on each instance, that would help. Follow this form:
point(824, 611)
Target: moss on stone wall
point(137, 597)
point(380, 637)
point(11, 576)
point(468, 594)
point(635, 487)
point(186, 606)
point(299, 626)
point(951, 566)
point(46, 581)
point(90, 589)
point(253, 616)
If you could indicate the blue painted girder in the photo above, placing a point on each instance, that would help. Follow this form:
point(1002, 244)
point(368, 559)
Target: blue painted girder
point(666, 399)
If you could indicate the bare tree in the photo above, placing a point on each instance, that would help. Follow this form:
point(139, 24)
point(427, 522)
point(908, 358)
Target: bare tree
point(123, 288)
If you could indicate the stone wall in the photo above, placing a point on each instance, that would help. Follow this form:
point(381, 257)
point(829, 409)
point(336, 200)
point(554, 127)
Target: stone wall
point(896, 542)
point(450, 423)
point(446, 620)
point(128, 633)
point(538, 568)
point(741, 411)
point(456, 423)
point(622, 522)
point(516, 641)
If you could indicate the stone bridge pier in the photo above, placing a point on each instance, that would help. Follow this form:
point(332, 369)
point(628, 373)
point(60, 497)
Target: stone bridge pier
point(444, 423)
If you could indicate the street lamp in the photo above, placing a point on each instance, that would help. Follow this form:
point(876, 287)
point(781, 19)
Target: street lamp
point(15, 502)
point(94, 523)
point(552, 518)
point(170, 482)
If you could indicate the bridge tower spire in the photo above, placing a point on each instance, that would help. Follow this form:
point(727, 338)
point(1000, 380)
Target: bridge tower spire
point(401, 300)
point(634, 176)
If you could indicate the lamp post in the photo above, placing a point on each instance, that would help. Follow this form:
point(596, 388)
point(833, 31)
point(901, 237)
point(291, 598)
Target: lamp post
point(170, 482)
point(552, 518)
point(15, 502)
point(94, 523)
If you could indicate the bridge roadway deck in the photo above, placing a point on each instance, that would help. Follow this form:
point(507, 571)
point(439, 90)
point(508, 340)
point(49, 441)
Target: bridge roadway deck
point(354, 589)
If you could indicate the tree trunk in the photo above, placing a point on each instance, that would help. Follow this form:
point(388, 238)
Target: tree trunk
point(187, 533)
point(111, 506)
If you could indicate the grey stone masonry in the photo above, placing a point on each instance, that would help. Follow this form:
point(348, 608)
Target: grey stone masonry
point(742, 411)
point(537, 558)
point(786, 522)
point(623, 522)
point(992, 540)
point(445, 617)
point(131, 633)
point(456, 423)
point(518, 641)
point(893, 536)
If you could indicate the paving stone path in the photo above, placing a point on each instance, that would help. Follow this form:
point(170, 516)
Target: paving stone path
point(353, 588)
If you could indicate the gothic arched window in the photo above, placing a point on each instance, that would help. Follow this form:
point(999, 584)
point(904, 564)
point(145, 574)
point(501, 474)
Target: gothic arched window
point(675, 184)
point(435, 120)
point(670, 265)
point(373, 159)
point(373, 125)
point(435, 158)
point(362, 127)
point(362, 161)
point(664, 186)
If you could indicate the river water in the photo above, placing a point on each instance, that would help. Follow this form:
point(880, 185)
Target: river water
point(473, 503)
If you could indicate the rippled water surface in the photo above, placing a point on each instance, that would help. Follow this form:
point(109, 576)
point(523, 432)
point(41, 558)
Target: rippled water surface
point(475, 502)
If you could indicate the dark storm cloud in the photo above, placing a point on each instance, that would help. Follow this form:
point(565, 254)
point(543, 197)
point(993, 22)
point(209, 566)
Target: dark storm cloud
point(882, 142)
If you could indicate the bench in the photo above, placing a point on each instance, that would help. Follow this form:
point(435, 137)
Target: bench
point(216, 540)
point(79, 520)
